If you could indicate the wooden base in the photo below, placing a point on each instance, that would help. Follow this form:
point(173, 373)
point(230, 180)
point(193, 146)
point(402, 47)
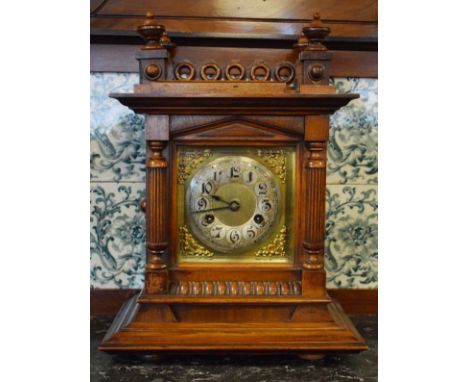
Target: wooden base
point(311, 329)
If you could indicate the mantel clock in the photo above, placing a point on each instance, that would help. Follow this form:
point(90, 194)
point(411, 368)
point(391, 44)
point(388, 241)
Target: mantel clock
point(235, 205)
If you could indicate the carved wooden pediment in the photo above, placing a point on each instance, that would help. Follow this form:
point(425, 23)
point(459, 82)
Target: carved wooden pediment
point(235, 129)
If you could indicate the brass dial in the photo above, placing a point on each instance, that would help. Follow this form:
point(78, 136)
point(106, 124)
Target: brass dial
point(232, 203)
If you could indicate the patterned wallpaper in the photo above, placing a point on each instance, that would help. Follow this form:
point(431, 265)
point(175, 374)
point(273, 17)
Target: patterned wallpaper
point(117, 186)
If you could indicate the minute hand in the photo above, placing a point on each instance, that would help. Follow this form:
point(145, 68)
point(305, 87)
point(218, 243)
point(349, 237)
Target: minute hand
point(233, 206)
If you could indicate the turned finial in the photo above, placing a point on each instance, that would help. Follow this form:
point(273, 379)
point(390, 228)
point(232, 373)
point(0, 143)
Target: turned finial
point(151, 32)
point(316, 33)
point(302, 42)
point(165, 41)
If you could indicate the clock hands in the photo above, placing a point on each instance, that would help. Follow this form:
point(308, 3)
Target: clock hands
point(233, 206)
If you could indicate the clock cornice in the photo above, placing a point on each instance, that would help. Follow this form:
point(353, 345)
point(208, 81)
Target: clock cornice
point(232, 99)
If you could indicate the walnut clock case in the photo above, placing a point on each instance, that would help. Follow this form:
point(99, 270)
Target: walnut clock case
point(235, 203)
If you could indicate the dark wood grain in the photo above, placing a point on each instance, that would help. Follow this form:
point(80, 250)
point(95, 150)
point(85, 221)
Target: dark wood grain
point(107, 302)
point(355, 10)
point(235, 40)
point(192, 31)
point(357, 301)
point(96, 5)
point(257, 24)
point(357, 18)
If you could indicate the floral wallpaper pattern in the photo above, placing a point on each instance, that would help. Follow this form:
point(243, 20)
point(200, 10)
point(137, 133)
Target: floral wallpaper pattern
point(117, 135)
point(117, 235)
point(352, 149)
point(117, 157)
point(351, 236)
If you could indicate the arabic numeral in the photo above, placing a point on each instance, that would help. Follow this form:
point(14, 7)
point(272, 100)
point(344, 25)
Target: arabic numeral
point(249, 232)
point(261, 188)
point(235, 172)
point(217, 175)
point(202, 203)
point(250, 177)
point(234, 236)
point(207, 188)
point(265, 205)
point(217, 232)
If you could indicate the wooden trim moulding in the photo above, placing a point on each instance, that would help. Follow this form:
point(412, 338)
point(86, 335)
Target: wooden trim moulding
point(107, 302)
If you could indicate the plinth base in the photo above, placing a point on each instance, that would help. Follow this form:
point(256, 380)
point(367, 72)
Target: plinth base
point(154, 328)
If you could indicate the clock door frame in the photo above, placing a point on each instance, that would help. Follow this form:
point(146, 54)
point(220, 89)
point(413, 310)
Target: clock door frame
point(247, 134)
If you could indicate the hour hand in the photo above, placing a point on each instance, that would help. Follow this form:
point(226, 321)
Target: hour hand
point(219, 199)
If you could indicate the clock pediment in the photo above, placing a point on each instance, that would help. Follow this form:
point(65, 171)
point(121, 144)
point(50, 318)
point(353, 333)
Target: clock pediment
point(237, 129)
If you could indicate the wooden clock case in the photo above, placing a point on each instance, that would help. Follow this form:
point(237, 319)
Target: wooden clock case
point(209, 307)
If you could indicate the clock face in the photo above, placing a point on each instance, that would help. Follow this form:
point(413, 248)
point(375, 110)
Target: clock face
point(232, 203)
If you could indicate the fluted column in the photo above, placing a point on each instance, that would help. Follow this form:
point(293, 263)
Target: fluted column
point(315, 174)
point(156, 275)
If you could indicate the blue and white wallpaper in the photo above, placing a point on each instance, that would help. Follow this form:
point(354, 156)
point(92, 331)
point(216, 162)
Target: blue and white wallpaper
point(117, 159)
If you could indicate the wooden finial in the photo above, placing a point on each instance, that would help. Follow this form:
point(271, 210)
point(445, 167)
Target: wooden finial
point(151, 32)
point(302, 42)
point(165, 41)
point(316, 33)
point(316, 19)
point(150, 18)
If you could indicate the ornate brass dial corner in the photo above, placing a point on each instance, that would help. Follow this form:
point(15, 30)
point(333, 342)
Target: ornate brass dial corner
point(189, 246)
point(188, 161)
point(276, 159)
point(276, 248)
